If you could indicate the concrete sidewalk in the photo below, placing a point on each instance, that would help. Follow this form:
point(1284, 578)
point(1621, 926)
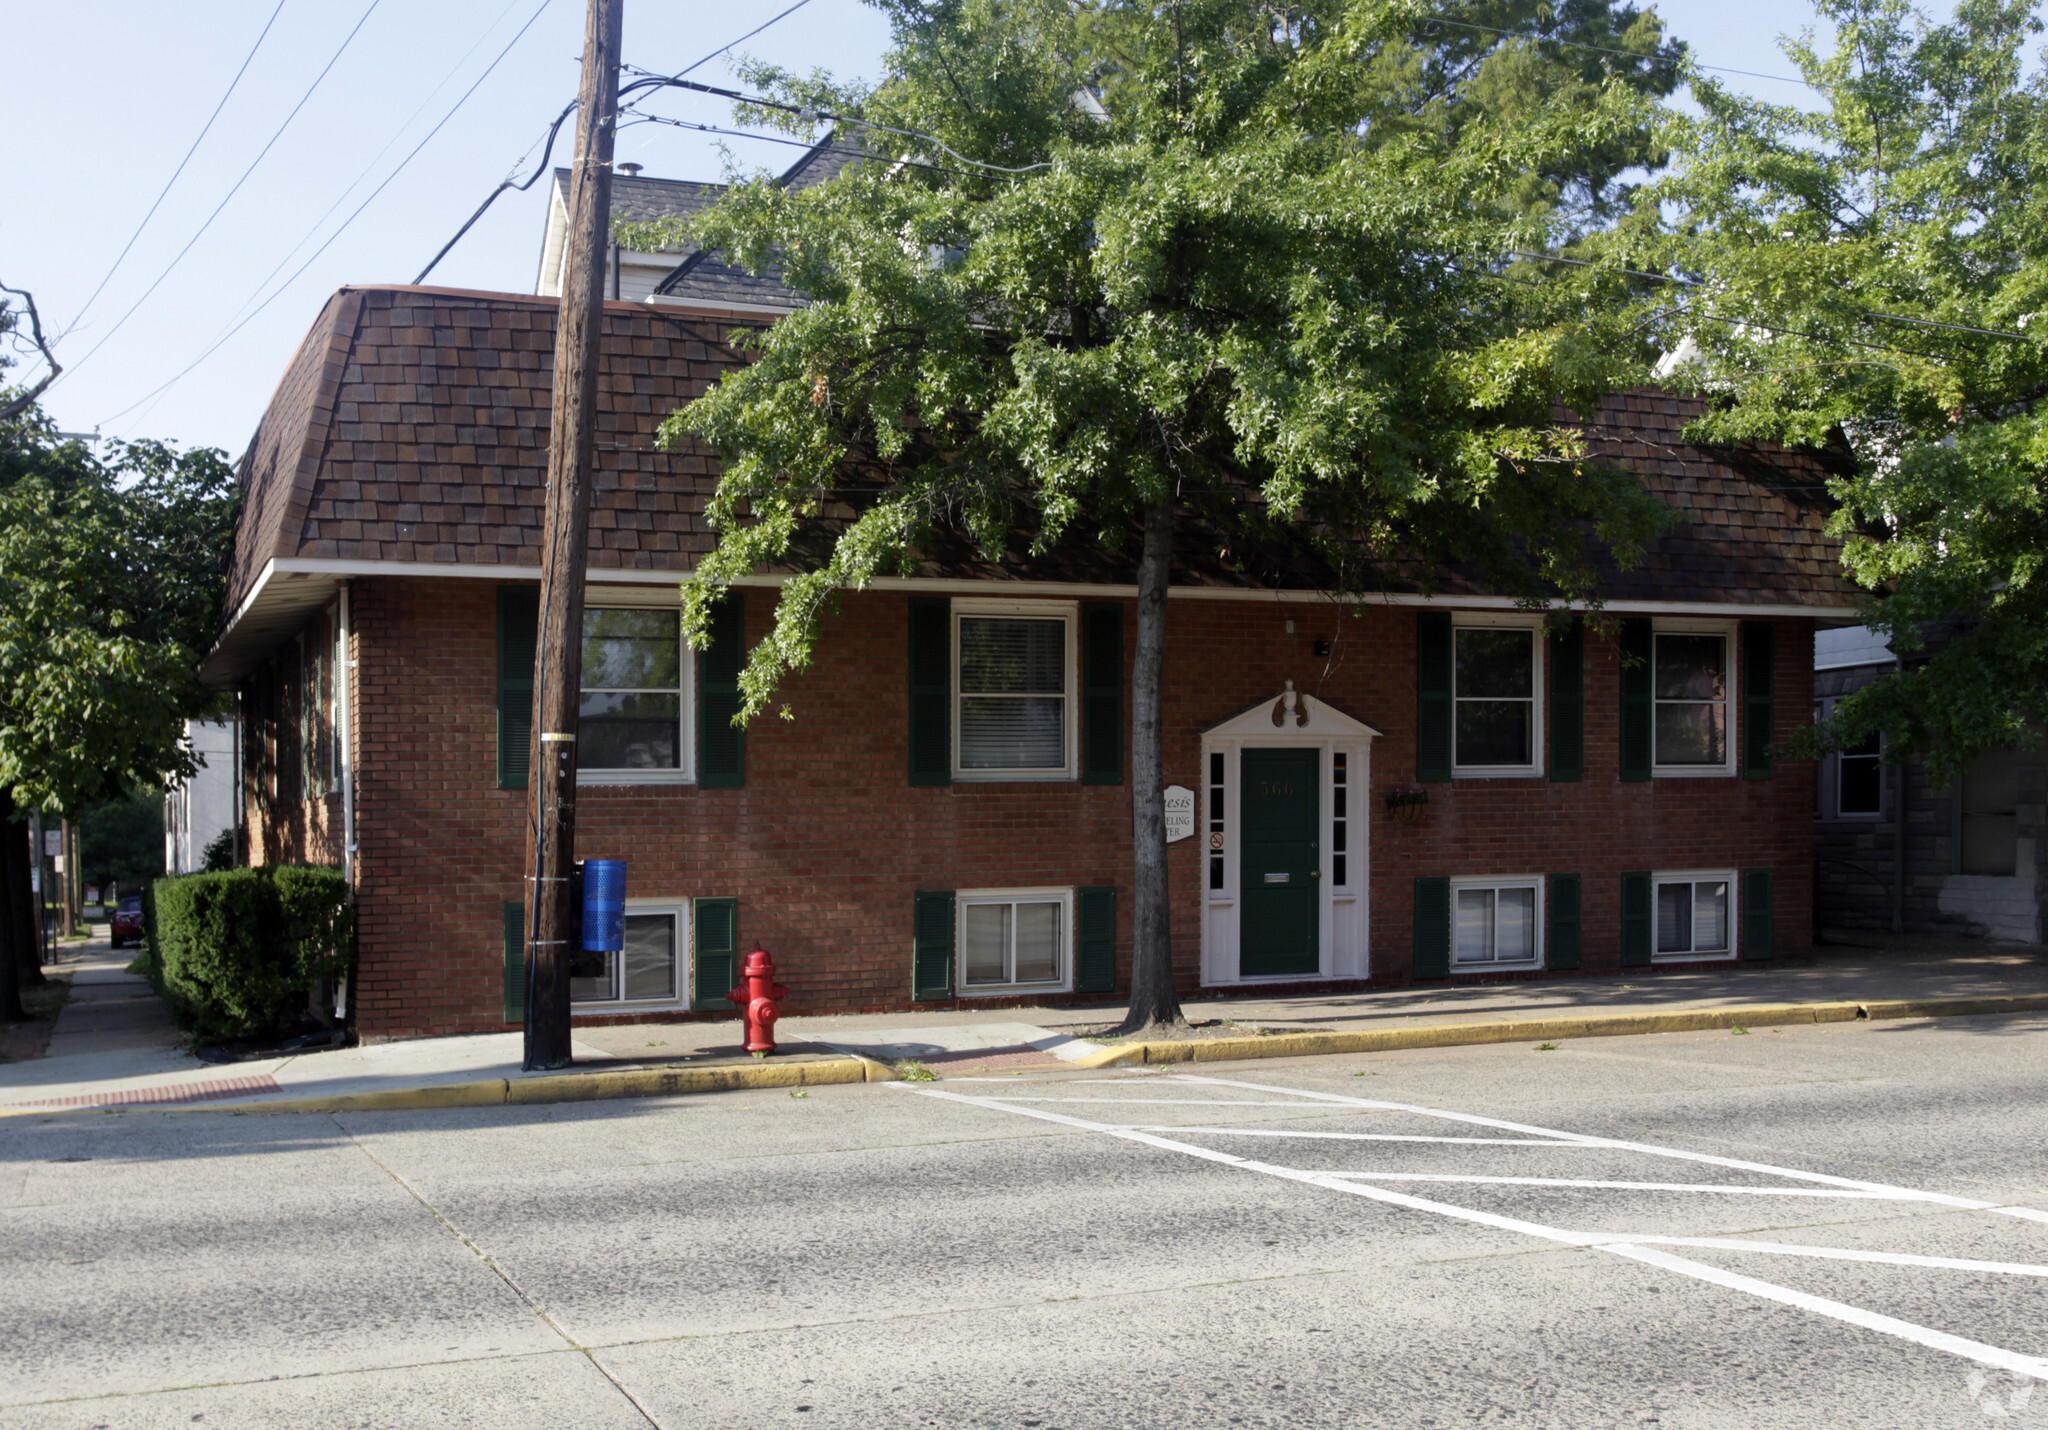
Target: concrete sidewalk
point(115, 1052)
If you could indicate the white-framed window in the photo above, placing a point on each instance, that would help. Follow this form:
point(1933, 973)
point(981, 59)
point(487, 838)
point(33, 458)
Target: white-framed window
point(1013, 690)
point(1497, 670)
point(635, 716)
point(1694, 913)
point(1496, 923)
point(1692, 681)
point(652, 969)
point(1014, 941)
point(1850, 783)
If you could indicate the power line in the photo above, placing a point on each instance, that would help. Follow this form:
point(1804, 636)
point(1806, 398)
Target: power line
point(371, 198)
point(228, 197)
point(375, 158)
point(204, 129)
point(509, 182)
point(1604, 50)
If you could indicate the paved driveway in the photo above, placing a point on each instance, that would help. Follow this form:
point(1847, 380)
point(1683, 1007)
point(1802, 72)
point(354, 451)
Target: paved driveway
point(1838, 1225)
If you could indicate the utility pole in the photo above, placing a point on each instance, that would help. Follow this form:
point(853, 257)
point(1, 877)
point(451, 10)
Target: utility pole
point(551, 916)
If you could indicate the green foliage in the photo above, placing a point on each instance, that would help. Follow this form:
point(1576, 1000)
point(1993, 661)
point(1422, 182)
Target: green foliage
point(238, 950)
point(224, 852)
point(112, 571)
point(1254, 262)
point(121, 842)
point(1872, 274)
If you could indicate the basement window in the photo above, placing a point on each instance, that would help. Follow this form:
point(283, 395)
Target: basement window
point(1494, 923)
point(1695, 915)
point(1014, 941)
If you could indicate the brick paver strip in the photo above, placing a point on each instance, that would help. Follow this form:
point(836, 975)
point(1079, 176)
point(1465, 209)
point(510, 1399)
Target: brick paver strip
point(181, 1092)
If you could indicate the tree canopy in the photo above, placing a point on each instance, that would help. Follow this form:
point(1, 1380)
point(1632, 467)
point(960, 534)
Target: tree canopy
point(1257, 261)
point(112, 569)
point(1871, 273)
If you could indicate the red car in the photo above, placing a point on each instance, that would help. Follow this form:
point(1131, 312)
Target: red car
point(127, 925)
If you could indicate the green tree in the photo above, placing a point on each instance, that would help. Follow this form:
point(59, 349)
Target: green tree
point(112, 570)
point(1119, 267)
point(1871, 274)
point(121, 842)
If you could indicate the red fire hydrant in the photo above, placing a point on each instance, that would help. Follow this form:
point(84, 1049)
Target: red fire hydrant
point(756, 998)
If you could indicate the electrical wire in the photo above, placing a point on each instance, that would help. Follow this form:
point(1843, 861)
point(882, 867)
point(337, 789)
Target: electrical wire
point(512, 183)
point(228, 197)
point(1603, 50)
point(338, 232)
point(204, 129)
point(375, 159)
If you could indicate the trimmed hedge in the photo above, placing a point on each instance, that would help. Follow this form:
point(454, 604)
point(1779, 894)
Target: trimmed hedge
point(237, 950)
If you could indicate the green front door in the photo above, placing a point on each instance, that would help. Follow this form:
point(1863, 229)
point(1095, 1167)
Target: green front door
point(1280, 864)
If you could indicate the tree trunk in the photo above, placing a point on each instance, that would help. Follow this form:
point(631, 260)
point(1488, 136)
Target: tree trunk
point(14, 955)
point(1153, 999)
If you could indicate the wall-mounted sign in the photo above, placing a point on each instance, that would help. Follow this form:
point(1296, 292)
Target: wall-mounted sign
point(1180, 813)
point(53, 842)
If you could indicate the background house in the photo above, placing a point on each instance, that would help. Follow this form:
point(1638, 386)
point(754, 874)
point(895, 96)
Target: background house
point(1971, 859)
point(198, 809)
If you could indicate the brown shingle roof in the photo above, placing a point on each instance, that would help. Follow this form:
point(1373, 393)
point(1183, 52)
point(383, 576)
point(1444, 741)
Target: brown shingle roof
point(411, 427)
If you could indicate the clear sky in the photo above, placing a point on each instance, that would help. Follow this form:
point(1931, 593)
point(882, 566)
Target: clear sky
point(105, 97)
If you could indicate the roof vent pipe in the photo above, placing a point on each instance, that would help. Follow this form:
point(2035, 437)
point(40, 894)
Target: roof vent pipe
point(631, 171)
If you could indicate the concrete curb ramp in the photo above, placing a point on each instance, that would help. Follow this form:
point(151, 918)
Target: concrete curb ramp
point(741, 1077)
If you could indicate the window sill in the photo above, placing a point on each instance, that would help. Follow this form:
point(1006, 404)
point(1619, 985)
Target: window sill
point(1520, 965)
point(609, 1010)
point(1719, 956)
point(1036, 777)
point(1483, 772)
point(1012, 990)
point(634, 777)
point(1692, 772)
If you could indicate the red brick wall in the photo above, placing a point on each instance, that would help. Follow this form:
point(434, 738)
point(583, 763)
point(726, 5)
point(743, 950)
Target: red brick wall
point(827, 842)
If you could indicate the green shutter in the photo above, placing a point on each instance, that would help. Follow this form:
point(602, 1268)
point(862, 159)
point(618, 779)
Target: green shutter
point(1638, 922)
point(515, 962)
point(1095, 960)
point(1432, 928)
point(931, 691)
point(1102, 694)
point(1759, 669)
point(1756, 914)
point(1561, 915)
point(931, 955)
point(722, 745)
point(715, 944)
point(1638, 708)
point(1568, 702)
point(1432, 695)
point(518, 634)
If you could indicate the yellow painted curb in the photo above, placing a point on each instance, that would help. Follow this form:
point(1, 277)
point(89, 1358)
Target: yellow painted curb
point(1539, 1030)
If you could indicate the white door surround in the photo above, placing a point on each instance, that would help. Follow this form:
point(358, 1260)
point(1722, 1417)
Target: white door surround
point(1289, 721)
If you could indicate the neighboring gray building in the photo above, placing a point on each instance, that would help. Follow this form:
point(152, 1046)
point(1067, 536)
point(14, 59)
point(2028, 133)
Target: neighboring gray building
point(196, 811)
point(1973, 854)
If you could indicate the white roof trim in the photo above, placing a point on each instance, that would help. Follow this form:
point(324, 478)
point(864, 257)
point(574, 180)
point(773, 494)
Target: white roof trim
point(615, 575)
point(1316, 718)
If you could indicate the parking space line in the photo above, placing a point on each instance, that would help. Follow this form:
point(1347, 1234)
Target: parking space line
point(1839, 1253)
point(1630, 1186)
point(1630, 1246)
point(1351, 1136)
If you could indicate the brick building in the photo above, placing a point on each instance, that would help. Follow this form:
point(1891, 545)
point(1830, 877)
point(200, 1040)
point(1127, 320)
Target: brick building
point(946, 816)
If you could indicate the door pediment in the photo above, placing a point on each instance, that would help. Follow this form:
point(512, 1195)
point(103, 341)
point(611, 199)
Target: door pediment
point(1292, 713)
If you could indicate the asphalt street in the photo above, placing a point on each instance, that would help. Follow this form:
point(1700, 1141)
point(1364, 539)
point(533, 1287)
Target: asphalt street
point(1826, 1226)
